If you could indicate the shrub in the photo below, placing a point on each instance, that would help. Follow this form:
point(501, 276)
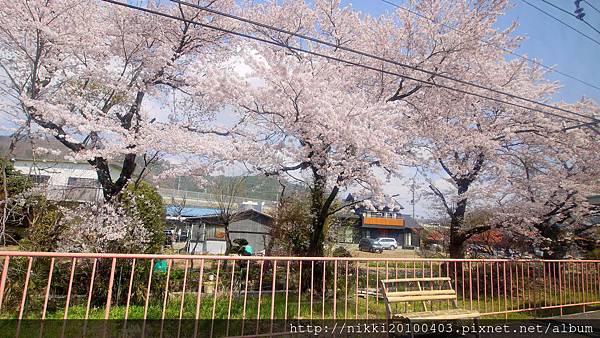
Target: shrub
point(340, 251)
point(151, 211)
point(291, 231)
point(238, 246)
point(16, 182)
point(44, 226)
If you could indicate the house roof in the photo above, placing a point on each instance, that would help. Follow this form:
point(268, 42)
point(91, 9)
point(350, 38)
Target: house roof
point(45, 161)
point(213, 217)
point(174, 211)
point(594, 199)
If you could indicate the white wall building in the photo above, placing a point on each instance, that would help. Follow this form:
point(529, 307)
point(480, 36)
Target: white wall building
point(62, 180)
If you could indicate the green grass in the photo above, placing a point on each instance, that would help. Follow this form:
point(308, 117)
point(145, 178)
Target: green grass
point(119, 328)
point(222, 309)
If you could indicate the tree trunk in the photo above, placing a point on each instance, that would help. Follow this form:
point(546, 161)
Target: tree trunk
point(553, 247)
point(317, 195)
point(317, 240)
point(457, 216)
point(228, 243)
point(457, 247)
point(320, 212)
point(457, 220)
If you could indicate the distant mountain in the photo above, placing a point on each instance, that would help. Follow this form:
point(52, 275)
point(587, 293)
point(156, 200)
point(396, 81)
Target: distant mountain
point(257, 186)
point(24, 148)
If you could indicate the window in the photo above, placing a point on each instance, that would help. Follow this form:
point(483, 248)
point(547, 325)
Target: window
point(209, 232)
point(214, 232)
point(82, 189)
point(83, 182)
point(39, 179)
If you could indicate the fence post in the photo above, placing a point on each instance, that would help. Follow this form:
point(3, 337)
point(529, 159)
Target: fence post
point(3, 278)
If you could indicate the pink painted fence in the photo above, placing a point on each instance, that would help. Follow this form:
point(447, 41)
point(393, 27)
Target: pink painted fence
point(65, 285)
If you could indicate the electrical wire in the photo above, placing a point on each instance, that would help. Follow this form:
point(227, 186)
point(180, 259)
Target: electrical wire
point(487, 42)
point(379, 58)
point(571, 14)
point(592, 6)
point(562, 22)
point(297, 49)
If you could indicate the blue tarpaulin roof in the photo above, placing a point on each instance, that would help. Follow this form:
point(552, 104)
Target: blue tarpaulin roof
point(190, 212)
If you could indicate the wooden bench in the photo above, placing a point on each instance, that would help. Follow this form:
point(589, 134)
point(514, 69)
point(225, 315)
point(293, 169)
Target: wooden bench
point(430, 291)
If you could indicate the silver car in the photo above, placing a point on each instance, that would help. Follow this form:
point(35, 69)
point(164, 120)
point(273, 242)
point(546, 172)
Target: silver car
point(388, 243)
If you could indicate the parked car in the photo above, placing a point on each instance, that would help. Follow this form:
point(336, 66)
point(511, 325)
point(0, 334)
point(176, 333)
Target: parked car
point(387, 243)
point(369, 244)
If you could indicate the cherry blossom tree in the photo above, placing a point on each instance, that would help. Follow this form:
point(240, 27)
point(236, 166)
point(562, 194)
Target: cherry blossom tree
point(332, 124)
point(311, 119)
point(103, 228)
point(88, 74)
point(476, 152)
point(548, 184)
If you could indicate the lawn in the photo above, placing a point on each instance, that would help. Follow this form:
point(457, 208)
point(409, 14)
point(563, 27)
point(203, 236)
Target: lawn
point(222, 309)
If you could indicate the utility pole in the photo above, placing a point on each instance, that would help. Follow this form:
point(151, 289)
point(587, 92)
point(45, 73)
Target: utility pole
point(412, 201)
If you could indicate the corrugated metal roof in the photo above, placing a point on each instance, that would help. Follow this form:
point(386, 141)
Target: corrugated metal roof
point(245, 213)
point(190, 212)
point(594, 199)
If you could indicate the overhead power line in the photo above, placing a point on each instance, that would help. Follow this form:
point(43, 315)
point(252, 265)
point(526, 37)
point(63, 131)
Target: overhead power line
point(571, 14)
point(562, 22)
point(349, 62)
point(592, 6)
point(379, 58)
point(490, 43)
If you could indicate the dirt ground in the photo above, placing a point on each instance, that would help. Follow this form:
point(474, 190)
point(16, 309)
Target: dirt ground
point(398, 253)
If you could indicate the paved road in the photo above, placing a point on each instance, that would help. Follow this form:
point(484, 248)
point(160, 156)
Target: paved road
point(587, 315)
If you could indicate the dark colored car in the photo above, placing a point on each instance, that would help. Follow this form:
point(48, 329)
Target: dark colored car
point(370, 245)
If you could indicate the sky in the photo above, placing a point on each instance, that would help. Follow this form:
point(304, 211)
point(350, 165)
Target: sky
point(547, 41)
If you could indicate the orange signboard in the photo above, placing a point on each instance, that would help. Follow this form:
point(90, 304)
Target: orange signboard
point(399, 222)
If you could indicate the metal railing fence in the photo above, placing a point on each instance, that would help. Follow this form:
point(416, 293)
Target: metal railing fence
point(86, 285)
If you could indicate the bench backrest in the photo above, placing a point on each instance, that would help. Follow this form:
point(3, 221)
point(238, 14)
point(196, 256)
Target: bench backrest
point(428, 289)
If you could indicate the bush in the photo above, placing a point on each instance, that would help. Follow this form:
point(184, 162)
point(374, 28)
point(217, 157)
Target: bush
point(44, 226)
point(16, 182)
point(13, 186)
point(340, 251)
point(150, 208)
point(238, 246)
point(135, 225)
point(291, 231)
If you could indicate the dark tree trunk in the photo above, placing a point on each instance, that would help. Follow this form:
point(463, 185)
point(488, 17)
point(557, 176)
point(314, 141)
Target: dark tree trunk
point(228, 243)
point(111, 189)
point(320, 208)
point(457, 247)
point(317, 238)
point(457, 222)
point(129, 121)
point(458, 235)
